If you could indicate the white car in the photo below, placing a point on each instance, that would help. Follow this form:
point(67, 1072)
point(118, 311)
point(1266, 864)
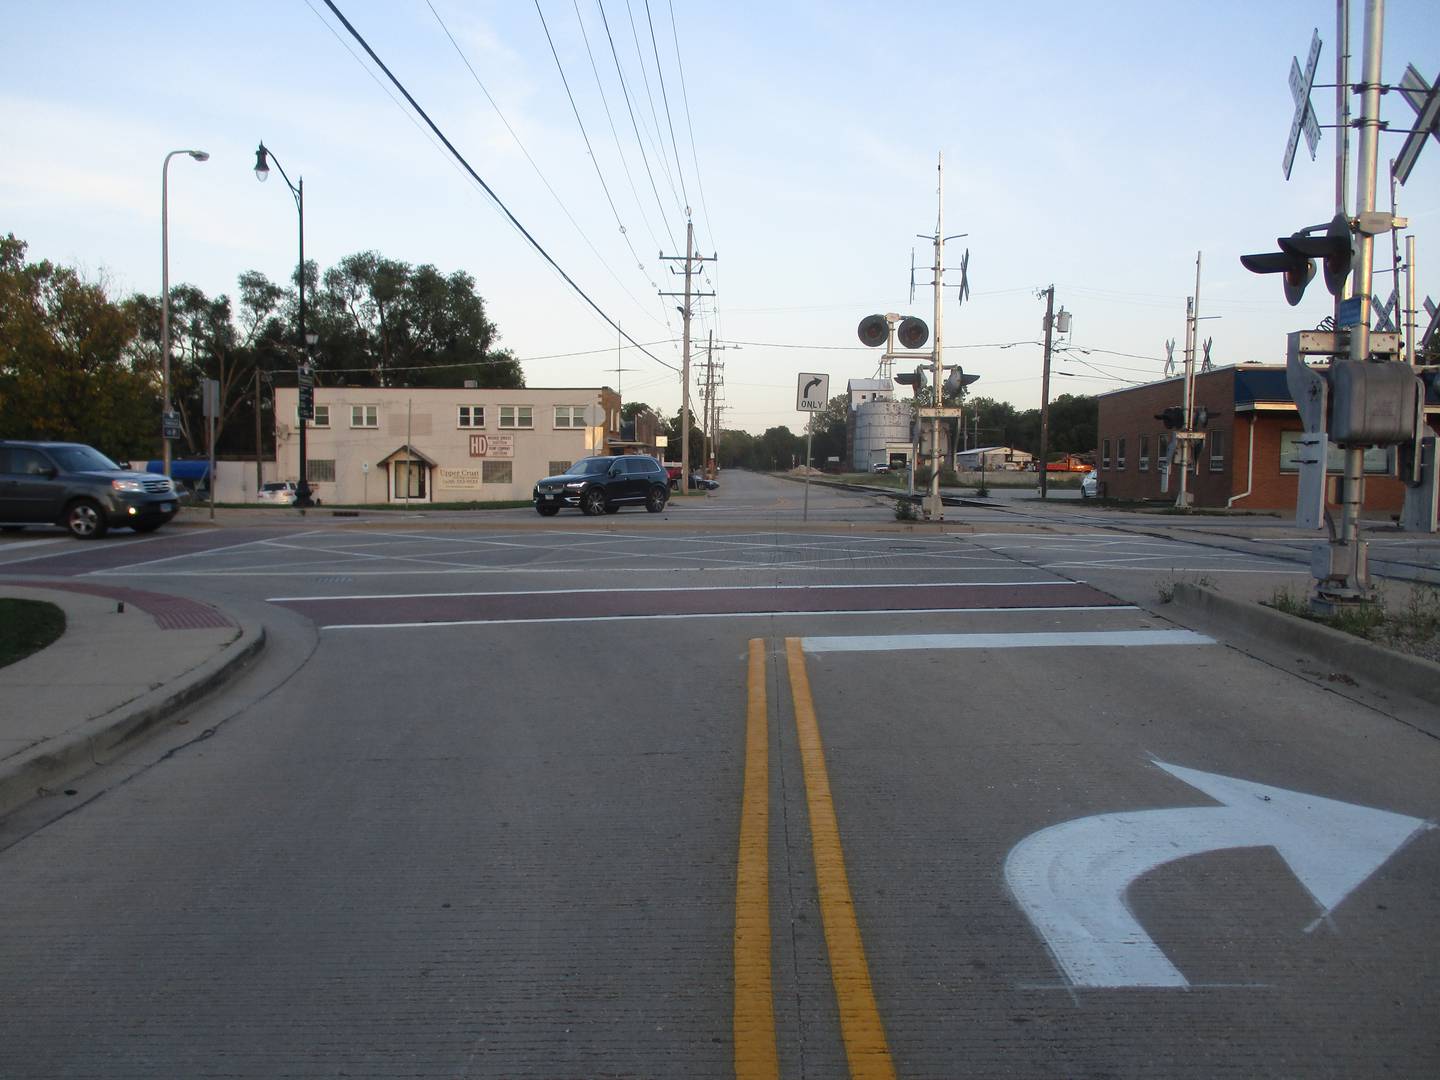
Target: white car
point(1090, 486)
point(279, 492)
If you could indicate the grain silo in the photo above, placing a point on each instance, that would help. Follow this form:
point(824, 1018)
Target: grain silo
point(878, 426)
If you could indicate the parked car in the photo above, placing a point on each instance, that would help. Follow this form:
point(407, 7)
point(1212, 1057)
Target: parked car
point(277, 492)
point(1090, 486)
point(75, 485)
point(601, 485)
point(880, 467)
point(699, 482)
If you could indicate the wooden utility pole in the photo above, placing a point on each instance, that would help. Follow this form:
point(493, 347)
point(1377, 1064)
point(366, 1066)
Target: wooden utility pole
point(1045, 391)
point(690, 260)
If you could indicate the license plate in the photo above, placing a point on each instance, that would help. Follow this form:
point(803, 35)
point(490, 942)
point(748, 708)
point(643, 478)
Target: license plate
point(165, 508)
point(549, 498)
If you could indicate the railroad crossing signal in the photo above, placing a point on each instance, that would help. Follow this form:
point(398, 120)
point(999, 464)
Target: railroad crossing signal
point(1297, 255)
point(1425, 100)
point(1300, 83)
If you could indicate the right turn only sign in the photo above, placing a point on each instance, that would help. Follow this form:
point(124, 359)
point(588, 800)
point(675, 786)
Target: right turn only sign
point(812, 391)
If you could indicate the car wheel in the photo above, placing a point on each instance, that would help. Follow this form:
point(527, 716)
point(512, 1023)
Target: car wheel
point(85, 520)
point(612, 508)
point(593, 502)
point(545, 510)
point(655, 500)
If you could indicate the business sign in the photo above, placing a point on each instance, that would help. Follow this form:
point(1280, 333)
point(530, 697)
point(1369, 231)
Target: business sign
point(492, 446)
point(458, 478)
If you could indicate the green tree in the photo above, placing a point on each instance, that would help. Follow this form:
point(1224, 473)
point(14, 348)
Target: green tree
point(65, 369)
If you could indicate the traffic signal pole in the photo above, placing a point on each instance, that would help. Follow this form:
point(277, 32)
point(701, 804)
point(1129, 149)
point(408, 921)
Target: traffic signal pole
point(934, 507)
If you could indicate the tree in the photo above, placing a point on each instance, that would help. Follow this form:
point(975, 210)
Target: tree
point(829, 430)
point(383, 322)
point(66, 372)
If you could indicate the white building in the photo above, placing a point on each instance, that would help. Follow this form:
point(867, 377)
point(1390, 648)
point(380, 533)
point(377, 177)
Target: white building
point(401, 444)
point(993, 458)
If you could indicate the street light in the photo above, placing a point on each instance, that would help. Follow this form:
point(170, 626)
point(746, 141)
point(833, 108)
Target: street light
point(198, 155)
point(263, 157)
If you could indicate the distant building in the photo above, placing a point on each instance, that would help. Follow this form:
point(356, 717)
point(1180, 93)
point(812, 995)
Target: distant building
point(1247, 459)
point(996, 458)
point(401, 444)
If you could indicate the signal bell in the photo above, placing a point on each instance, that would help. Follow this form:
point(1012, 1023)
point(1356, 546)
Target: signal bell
point(874, 330)
point(913, 333)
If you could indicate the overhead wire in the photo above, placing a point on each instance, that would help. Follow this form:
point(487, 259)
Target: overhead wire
point(523, 150)
point(649, 94)
point(514, 221)
point(665, 97)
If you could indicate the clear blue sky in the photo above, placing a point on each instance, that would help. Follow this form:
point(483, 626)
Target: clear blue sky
point(1098, 147)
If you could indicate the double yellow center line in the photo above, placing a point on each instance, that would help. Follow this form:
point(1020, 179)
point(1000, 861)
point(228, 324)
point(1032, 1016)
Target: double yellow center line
point(756, 1056)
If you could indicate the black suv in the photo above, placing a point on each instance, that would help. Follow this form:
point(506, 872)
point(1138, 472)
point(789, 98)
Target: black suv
point(601, 485)
point(75, 485)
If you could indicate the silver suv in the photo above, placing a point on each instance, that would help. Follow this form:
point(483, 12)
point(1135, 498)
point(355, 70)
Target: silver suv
point(75, 485)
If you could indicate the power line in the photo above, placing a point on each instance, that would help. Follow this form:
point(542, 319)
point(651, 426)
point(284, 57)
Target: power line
point(554, 194)
point(488, 190)
point(660, 73)
point(630, 108)
point(645, 75)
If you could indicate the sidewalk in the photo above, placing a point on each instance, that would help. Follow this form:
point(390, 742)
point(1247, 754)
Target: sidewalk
point(128, 660)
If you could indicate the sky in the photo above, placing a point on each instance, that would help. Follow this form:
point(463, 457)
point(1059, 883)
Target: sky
point(1096, 147)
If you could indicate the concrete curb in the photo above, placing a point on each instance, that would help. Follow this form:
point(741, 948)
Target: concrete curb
point(1412, 675)
point(96, 741)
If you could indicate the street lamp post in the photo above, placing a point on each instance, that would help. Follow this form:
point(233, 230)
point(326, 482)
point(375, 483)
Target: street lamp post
point(165, 410)
point(263, 157)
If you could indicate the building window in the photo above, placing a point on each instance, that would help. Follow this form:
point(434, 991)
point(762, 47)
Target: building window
point(1143, 462)
point(1162, 453)
point(1119, 453)
point(1104, 454)
point(516, 416)
point(320, 470)
point(321, 417)
point(496, 472)
point(557, 467)
point(364, 416)
point(1377, 458)
point(471, 416)
point(1217, 450)
point(569, 416)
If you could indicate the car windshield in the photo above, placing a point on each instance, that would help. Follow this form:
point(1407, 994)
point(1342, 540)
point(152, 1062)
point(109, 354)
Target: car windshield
point(277, 487)
point(590, 466)
point(81, 459)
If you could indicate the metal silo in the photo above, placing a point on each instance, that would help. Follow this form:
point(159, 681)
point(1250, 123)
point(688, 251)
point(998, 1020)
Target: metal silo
point(878, 424)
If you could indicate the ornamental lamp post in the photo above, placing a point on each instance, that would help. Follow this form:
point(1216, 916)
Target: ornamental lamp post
point(263, 158)
point(165, 410)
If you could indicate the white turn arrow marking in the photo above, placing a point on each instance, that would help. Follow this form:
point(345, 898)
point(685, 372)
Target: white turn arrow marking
point(1071, 879)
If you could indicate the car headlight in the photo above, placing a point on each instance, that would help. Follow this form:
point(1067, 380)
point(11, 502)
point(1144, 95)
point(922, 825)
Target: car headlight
point(575, 484)
point(127, 485)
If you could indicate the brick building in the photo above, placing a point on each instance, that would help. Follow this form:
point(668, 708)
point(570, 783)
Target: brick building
point(1247, 459)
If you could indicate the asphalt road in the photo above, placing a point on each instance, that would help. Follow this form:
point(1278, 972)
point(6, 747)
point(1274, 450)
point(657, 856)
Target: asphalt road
point(695, 795)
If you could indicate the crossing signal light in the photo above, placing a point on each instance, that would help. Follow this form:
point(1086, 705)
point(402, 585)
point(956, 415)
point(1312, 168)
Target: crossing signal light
point(909, 378)
point(1297, 255)
point(1299, 269)
point(1172, 418)
point(913, 332)
point(957, 379)
point(874, 330)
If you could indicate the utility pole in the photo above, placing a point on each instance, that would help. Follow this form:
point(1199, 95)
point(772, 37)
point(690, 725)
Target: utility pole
point(1187, 434)
point(1045, 391)
point(690, 260)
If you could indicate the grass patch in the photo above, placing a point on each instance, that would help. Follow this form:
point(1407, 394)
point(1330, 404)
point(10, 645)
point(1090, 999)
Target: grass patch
point(1414, 627)
point(27, 626)
point(1167, 587)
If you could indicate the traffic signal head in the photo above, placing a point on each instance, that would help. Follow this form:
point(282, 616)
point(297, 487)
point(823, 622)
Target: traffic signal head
point(874, 330)
point(913, 332)
point(915, 378)
point(957, 379)
point(1173, 417)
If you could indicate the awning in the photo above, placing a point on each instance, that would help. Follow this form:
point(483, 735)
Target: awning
point(405, 452)
point(181, 470)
